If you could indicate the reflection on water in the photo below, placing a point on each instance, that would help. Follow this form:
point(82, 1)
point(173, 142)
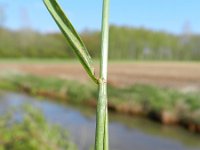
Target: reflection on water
point(125, 133)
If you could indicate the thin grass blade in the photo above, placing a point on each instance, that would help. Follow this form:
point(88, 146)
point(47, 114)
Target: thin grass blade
point(72, 36)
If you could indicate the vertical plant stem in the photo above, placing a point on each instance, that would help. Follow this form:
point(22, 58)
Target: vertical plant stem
point(101, 140)
point(106, 133)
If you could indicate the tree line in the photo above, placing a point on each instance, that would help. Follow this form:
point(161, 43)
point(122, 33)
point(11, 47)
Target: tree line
point(125, 43)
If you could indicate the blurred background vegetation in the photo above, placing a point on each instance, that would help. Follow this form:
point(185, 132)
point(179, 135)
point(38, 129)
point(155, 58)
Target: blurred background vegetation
point(126, 43)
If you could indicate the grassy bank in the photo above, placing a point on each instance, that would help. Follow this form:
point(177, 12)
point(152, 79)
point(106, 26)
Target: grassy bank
point(31, 133)
point(164, 105)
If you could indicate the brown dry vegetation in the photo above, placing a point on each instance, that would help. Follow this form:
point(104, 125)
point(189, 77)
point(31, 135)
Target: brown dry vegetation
point(181, 75)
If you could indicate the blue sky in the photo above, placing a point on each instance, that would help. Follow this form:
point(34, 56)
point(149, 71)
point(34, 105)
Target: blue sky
point(167, 15)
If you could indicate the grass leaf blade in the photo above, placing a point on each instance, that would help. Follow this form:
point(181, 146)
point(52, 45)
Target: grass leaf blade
point(71, 35)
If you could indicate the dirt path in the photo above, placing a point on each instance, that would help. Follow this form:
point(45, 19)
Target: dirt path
point(177, 75)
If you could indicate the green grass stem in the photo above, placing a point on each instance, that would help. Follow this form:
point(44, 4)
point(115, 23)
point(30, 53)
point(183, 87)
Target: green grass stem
point(101, 141)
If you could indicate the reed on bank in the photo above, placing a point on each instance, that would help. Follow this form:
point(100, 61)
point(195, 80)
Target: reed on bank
point(101, 138)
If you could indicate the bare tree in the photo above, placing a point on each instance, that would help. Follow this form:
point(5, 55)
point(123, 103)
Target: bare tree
point(2, 15)
point(186, 33)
